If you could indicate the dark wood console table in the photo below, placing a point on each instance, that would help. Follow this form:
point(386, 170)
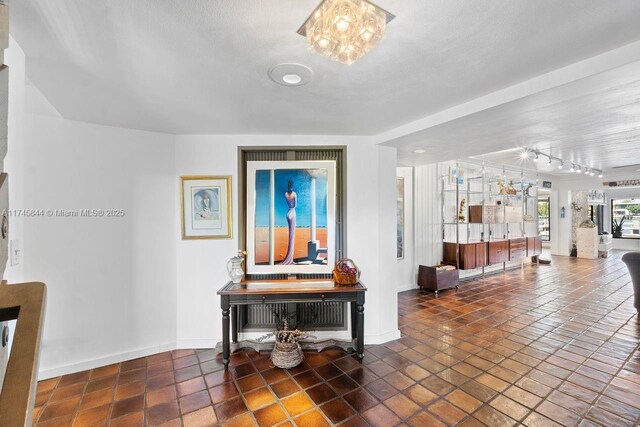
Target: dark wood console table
point(289, 291)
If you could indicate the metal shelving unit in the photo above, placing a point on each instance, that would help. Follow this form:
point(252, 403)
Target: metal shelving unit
point(479, 188)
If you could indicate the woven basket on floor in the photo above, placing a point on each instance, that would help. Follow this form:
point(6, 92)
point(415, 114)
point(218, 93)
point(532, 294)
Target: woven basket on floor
point(286, 355)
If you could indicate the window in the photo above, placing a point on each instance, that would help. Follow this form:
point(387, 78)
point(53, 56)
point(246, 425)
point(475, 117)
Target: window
point(625, 218)
point(544, 220)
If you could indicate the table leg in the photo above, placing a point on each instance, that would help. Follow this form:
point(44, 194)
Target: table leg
point(224, 302)
point(354, 320)
point(360, 338)
point(234, 324)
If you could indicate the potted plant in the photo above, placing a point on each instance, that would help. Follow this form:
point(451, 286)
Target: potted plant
point(287, 352)
point(617, 227)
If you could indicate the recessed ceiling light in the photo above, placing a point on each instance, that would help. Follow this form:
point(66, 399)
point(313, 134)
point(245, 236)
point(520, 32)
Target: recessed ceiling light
point(419, 151)
point(289, 74)
point(291, 79)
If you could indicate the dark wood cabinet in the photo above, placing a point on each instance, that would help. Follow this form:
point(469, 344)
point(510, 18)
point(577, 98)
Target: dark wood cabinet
point(517, 249)
point(436, 279)
point(472, 255)
point(482, 254)
point(498, 251)
point(482, 258)
point(534, 246)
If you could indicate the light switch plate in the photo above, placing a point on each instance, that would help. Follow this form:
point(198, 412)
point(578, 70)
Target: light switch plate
point(15, 252)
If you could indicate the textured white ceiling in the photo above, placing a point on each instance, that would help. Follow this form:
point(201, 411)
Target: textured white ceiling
point(594, 122)
point(199, 66)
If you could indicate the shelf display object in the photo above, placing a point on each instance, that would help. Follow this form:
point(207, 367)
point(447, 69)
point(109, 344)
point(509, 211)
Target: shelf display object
point(489, 215)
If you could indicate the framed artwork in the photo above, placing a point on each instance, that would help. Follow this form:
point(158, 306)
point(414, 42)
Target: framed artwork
point(206, 207)
point(290, 217)
point(456, 175)
point(400, 216)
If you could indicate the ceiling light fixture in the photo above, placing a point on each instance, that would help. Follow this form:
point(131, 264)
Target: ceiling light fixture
point(574, 166)
point(290, 74)
point(291, 79)
point(344, 30)
point(419, 151)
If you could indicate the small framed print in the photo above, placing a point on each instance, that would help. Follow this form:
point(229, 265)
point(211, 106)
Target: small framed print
point(456, 176)
point(206, 207)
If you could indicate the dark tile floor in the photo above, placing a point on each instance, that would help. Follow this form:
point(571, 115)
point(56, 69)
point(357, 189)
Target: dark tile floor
point(541, 345)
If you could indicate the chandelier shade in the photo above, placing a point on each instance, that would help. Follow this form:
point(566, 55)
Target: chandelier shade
point(344, 30)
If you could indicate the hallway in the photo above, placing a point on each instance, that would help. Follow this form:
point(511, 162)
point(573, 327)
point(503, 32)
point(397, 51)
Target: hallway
point(531, 345)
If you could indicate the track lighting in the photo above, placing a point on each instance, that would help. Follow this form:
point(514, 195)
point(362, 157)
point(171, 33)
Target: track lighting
point(576, 168)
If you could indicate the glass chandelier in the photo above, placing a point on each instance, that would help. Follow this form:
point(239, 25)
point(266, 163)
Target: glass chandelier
point(344, 30)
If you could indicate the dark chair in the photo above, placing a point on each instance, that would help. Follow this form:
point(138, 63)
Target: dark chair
point(632, 259)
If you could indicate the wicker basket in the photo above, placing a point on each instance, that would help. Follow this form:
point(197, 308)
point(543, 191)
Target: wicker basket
point(342, 278)
point(286, 355)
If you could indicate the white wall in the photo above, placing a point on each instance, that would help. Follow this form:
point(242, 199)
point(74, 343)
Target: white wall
point(407, 272)
point(111, 282)
point(428, 216)
point(371, 219)
point(14, 161)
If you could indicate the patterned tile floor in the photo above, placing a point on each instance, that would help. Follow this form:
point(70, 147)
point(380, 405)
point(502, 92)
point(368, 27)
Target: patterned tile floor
point(541, 346)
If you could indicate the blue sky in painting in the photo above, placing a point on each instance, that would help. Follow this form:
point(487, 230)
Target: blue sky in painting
point(301, 185)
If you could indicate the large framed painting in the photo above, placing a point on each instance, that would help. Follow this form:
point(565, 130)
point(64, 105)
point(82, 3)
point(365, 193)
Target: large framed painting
point(206, 207)
point(291, 217)
point(400, 216)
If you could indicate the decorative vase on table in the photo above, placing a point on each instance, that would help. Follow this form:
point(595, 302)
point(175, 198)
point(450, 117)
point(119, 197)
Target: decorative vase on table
point(234, 267)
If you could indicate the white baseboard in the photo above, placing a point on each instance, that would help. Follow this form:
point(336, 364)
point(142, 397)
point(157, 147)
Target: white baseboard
point(197, 343)
point(47, 373)
point(407, 287)
point(382, 338)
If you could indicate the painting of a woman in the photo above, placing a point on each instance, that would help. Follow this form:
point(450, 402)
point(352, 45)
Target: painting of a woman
point(292, 202)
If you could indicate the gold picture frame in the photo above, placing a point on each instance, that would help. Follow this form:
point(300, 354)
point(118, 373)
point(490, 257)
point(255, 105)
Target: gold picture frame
point(206, 211)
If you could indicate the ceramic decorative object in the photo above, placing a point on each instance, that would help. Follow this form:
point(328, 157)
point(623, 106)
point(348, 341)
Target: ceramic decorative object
point(234, 267)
